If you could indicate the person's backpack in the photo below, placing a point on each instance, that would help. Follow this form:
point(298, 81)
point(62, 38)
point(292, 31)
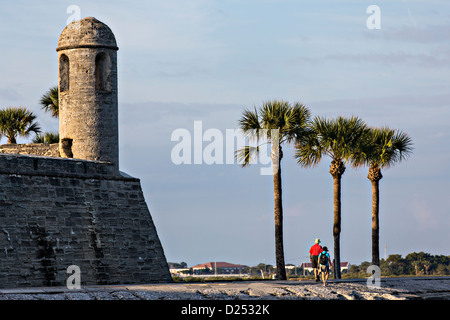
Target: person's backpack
point(323, 259)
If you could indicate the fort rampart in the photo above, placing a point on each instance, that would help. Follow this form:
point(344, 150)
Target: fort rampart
point(57, 212)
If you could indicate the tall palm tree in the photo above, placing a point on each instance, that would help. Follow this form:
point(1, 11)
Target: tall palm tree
point(49, 101)
point(383, 148)
point(16, 122)
point(275, 123)
point(339, 139)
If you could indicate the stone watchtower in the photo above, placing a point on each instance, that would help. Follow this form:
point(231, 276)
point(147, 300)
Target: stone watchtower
point(88, 107)
point(57, 212)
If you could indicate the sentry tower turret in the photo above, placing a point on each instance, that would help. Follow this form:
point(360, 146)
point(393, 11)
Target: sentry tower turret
point(88, 107)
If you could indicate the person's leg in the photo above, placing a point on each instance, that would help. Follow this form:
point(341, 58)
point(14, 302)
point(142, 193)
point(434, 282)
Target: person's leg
point(315, 265)
point(327, 272)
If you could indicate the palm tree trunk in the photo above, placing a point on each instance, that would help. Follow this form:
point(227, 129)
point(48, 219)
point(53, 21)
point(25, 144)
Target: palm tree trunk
point(337, 169)
point(375, 224)
point(337, 225)
point(375, 176)
point(278, 211)
point(11, 140)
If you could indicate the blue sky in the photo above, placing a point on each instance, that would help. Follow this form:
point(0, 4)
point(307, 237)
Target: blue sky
point(203, 60)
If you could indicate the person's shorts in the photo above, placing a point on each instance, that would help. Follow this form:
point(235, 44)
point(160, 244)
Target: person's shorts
point(324, 268)
point(315, 261)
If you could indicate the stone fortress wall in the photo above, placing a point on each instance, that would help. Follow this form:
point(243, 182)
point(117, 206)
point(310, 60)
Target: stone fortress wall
point(60, 212)
point(68, 204)
point(38, 149)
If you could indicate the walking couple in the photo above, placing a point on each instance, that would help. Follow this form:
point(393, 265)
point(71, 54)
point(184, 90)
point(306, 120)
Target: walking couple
point(320, 260)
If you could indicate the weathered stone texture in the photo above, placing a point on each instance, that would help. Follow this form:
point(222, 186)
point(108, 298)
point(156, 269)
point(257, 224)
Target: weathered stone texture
point(88, 107)
point(38, 149)
point(87, 32)
point(56, 212)
point(77, 214)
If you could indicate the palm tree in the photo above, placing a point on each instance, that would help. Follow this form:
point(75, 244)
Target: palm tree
point(16, 122)
point(49, 101)
point(47, 138)
point(276, 122)
point(339, 139)
point(383, 148)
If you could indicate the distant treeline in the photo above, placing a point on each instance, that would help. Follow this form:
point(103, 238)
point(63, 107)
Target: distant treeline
point(415, 264)
point(418, 264)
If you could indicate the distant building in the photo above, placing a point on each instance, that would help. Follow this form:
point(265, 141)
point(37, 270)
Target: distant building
point(220, 267)
point(179, 271)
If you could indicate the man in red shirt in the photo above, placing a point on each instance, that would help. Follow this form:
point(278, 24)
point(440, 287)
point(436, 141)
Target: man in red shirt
point(314, 252)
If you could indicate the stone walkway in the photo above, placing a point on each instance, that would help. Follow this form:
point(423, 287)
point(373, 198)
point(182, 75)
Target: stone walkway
point(418, 288)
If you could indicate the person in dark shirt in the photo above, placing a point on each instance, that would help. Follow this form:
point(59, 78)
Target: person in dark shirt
point(324, 265)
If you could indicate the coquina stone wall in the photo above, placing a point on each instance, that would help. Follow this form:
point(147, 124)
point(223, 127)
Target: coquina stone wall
point(60, 212)
point(39, 149)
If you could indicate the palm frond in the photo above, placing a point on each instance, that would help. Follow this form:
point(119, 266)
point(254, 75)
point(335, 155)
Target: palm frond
point(308, 151)
point(297, 123)
point(290, 121)
point(385, 147)
point(17, 122)
point(50, 101)
point(250, 125)
point(277, 122)
point(32, 128)
point(403, 144)
point(338, 138)
point(246, 155)
point(47, 138)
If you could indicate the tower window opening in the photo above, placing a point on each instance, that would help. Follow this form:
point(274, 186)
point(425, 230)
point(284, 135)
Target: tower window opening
point(64, 70)
point(103, 72)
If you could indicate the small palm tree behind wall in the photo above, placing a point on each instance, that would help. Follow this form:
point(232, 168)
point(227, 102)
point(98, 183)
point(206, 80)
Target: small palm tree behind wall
point(17, 122)
point(47, 138)
point(49, 101)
